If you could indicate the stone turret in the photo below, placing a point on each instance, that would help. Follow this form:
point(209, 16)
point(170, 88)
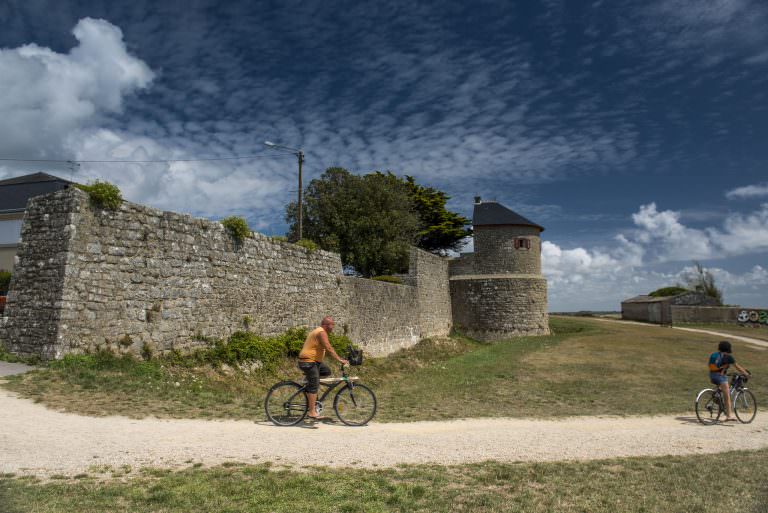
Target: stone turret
point(498, 291)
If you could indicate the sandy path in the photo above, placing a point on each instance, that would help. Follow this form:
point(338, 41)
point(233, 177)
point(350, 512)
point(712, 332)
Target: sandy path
point(39, 441)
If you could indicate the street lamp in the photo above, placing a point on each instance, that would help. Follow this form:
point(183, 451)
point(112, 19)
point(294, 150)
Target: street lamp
point(300, 155)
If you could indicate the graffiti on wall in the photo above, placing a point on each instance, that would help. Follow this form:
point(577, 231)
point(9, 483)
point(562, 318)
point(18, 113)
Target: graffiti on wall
point(758, 316)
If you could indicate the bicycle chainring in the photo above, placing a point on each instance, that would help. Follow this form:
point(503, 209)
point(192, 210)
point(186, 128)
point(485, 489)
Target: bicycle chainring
point(319, 407)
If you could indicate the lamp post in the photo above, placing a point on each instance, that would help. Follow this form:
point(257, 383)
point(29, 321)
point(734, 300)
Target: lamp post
point(299, 155)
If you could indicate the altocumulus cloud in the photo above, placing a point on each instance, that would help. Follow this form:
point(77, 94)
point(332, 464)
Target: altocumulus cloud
point(47, 96)
point(623, 270)
point(748, 191)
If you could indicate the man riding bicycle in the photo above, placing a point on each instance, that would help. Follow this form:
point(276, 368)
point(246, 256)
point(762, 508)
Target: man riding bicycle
point(718, 365)
point(311, 361)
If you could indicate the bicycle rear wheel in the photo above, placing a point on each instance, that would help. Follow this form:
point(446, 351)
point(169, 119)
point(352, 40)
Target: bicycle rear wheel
point(355, 405)
point(745, 406)
point(286, 403)
point(708, 407)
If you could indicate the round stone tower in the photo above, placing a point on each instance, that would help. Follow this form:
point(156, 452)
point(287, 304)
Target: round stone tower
point(498, 291)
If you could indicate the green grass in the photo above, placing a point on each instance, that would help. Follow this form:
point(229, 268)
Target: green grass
point(587, 367)
point(666, 484)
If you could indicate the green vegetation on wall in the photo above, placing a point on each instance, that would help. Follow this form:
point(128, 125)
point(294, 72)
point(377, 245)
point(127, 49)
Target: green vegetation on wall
point(668, 291)
point(237, 227)
point(5, 281)
point(103, 194)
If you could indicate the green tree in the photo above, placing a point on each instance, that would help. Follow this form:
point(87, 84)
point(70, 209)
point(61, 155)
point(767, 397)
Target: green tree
point(440, 229)
point(701, 280)
point(369, 220)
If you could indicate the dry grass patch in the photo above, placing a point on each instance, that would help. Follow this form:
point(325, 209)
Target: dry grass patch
point(649, 485)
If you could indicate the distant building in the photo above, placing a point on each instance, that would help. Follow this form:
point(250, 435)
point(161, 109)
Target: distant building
point(658, 310)
point(498, 291)
point(14, 194)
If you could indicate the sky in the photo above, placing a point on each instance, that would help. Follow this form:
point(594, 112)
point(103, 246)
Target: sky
point(635, 132)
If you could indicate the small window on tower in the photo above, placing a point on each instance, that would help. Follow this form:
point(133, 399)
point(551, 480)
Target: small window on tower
point(522, 243)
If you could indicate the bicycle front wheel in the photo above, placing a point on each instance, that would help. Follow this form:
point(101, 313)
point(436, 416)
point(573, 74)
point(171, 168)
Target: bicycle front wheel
point(745, 406)
point(286, 403)
point(708, 407)
point(355, 405)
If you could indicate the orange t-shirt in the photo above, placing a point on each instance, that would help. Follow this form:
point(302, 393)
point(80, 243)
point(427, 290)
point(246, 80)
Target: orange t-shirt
point(313, 350)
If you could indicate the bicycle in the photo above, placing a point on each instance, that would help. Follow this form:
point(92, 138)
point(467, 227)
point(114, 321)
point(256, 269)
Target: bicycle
point(355, 404)
point(710, 403)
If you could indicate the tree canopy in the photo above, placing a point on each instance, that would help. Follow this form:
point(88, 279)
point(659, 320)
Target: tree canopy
point(371, 220)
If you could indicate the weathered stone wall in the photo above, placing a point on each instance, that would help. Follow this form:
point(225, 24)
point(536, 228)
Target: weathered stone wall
point(497, 307)
point(495, 251)
point(138, 276)
point(31, 320)
point(705, 314)
point(464, 264)
point(642, 312)
point(431, 277)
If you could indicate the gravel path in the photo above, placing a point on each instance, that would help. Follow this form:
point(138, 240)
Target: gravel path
point(37, 441)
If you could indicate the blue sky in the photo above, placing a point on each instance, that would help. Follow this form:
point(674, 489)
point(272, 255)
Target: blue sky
point(635, 132)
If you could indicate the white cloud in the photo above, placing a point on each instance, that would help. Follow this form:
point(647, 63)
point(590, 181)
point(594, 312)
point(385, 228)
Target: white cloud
point(46, 95)
point(748, 191)
point(599, 278)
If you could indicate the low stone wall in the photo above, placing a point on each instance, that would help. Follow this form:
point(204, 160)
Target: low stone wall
point(705, 314)
point(498, 307)
point(139, 277)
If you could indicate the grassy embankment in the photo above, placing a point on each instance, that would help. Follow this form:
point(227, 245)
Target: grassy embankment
point(648, 485)
point(587, 367)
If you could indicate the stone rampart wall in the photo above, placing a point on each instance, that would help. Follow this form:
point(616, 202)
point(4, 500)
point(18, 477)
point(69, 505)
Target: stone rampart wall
point(88, 278)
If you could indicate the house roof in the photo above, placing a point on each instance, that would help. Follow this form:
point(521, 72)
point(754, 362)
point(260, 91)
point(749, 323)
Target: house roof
point(488, 213)
point(646, 299)
point(15, 192)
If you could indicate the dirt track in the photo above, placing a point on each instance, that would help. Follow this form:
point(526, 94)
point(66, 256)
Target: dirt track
point(36, 440)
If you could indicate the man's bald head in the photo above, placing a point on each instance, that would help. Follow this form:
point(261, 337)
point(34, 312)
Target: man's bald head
point(327, 323)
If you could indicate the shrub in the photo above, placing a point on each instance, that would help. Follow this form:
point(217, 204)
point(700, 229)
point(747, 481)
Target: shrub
point(5, 281)
point(388, 279)
point(310, 245)
point(293, 340)
point(103, 194)
point(237, 227)
point(668, 291)
point(248, 346)
point(341, 344)
point(279, 238)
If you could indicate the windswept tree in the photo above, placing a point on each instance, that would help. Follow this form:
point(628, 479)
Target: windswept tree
point(440, 230)
point(701, 280)
point(372, 220)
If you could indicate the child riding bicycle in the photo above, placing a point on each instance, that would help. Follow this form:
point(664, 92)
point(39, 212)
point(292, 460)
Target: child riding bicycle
point(719, 362)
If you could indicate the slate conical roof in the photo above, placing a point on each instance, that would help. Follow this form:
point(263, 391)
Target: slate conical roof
point(488, 213)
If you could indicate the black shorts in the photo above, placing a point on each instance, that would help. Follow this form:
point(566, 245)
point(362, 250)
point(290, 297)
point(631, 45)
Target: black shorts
point(314, 371)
